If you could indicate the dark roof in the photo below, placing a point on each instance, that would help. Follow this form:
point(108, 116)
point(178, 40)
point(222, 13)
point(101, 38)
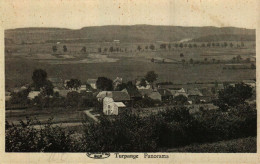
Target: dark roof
point(207, 92)
point(120, 96)
point(134, 93)
point(194, 92)
point(145, 91)
point(164, 92)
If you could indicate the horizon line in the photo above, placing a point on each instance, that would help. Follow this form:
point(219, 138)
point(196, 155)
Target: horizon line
point(122, 25)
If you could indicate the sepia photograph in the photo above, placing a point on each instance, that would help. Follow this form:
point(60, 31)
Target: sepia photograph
point(95, 77)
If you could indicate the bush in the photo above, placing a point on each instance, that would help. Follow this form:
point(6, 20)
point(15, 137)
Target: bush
point(26, 138)
point(146, 103)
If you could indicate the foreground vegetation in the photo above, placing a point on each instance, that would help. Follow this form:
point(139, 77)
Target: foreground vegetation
point(171, 128)
point(232, 146)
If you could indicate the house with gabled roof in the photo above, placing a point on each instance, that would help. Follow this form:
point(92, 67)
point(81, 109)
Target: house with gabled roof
point(92, 83)
point(194, 95)
point(111, 107)
point(166, 95)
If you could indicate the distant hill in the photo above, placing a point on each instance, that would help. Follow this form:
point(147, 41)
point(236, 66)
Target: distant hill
point(135, 33)
point(225, 37)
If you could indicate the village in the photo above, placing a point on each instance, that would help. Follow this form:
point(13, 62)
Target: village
point(117, 96)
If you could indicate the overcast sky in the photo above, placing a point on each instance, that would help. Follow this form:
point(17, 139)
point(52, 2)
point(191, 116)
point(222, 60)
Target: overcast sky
point(80, 13)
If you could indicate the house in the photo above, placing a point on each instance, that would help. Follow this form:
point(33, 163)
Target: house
point(63, 92)
point(7, 96)
point(133, 93)
point(166, 95)
point(116, 41)
point(116, 95)
point(250, 83)
point(83, 88)
point(178, 91)
point(56, 82)
point(65, 82)
point(138, 82)
point(194, 95)
point(16, 90)
point(208, 95)
point(33, 94)
point(110, 107)
point(117, 81)
point(145, 92)
point(92, 83)
point(155, 95)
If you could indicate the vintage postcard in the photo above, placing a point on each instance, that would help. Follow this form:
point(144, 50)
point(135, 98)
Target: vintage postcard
point(112, 81)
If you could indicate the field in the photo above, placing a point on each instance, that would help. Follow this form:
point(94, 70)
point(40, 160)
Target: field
point(22, 59)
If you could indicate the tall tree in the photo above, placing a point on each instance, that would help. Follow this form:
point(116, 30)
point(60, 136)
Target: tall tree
point(73, 84)
point(233, 96)
point(104, 84)
point(151, 77)
point(39, 78)
point(65, 48)
point(54, 48)
point(152, 47)
point(139, 48)
point(111, 49)
point(83, 49)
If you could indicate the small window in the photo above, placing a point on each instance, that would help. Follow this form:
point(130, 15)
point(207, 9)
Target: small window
point(108, 106)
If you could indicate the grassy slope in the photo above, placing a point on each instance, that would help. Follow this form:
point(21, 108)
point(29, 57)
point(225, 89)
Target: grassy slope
point(136, 33)
point(242, 145)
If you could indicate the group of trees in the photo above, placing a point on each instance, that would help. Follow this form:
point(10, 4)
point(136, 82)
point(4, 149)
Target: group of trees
point(40, 82)
point(162, 46)
point(165, 46)
point(73, 84)
point(55, 48)
point(233, 96)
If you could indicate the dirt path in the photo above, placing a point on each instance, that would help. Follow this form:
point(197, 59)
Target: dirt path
point(89, 114)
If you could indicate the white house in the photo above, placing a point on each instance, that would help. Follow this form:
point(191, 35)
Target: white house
point(33, 94)
point(92, 83)
point(110, 107)
point(138, 86)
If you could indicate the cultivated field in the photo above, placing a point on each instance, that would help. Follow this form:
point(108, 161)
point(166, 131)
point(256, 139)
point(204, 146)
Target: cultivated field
point(22, 59)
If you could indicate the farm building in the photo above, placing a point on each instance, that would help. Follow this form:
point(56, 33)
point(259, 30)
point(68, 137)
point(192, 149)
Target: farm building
point(110, 107)
point(250, 83)
point(166, 95)
point(33, 94)
point(92, 83)
point(133, 93)
point(194, 95)
point(83, 88)
point(7, 96)
point(145, 92)
point(178, 91)
point(155, 95)
point(63, 92)
point(208, 95)
point(56, 82)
